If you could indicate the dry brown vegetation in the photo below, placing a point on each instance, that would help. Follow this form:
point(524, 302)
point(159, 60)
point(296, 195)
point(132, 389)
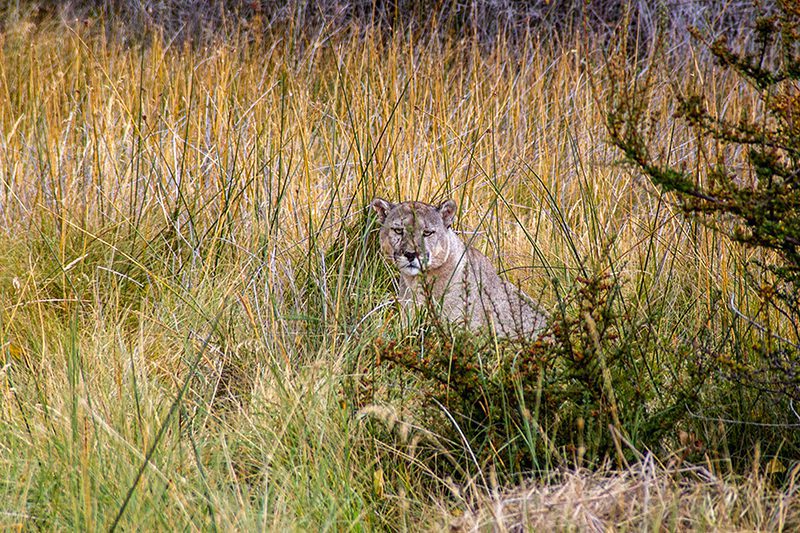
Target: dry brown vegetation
point(645, 496)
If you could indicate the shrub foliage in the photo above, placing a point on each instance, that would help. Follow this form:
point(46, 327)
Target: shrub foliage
point(575, 396)
point(757, 203)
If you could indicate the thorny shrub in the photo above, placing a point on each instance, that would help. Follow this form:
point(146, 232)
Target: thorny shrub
point(574, 396)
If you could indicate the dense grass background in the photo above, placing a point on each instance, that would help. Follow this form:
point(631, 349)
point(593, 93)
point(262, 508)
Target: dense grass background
point(192, 299)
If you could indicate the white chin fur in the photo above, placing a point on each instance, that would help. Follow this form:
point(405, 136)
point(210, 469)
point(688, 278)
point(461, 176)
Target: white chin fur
point(410, 270)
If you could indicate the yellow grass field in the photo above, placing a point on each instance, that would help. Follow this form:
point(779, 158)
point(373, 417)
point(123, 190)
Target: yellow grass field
point(190, 291)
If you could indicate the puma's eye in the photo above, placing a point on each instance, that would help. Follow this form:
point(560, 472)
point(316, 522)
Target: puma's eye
point(428, 233)
point(399, 231)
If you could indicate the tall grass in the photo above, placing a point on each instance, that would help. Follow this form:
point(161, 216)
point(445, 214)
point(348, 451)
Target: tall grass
point(190, 282)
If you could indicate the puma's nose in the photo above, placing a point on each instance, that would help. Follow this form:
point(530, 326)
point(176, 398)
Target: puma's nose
point(410, 256)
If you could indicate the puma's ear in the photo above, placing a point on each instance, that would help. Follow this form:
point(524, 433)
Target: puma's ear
point(448, 211)
point(382, 207)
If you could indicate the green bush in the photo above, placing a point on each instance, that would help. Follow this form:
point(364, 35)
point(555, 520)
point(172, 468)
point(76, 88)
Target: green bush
point(754, 199)
point(575, 396)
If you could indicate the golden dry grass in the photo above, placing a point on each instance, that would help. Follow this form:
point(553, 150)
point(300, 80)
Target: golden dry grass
point(646, 496)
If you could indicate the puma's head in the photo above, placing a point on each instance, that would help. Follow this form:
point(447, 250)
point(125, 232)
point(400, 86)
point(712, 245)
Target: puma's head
point(415, 235)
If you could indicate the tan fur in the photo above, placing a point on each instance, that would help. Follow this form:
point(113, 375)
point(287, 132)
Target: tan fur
point(461, 282)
